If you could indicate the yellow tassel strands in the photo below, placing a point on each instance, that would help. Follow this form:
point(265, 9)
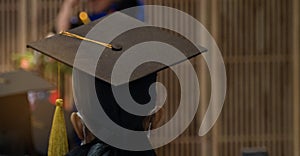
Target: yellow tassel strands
point(58, 141)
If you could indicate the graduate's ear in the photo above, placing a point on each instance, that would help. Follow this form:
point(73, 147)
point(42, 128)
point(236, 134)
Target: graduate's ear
point(77, 125)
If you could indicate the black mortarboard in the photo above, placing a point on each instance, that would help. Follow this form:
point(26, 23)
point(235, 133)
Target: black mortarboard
point(15, 130)
point(64, 48)
point(18, 82)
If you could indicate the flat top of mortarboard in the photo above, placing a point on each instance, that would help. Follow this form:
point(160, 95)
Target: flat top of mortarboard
point(123, 32)
point(21, 81)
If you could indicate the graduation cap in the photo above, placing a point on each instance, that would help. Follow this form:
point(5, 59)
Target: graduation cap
point(109, 37)
point(15, 129)
point(95, 48)
point(18, 82)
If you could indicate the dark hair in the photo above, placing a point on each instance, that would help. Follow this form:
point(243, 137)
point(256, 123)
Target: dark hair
point(139, 90)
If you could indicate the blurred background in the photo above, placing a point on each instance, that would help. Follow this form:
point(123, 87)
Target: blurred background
point(259, 41)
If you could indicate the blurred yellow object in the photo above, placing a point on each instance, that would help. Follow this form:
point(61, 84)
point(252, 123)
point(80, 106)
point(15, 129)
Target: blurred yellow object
point(84, 17)
point(58, 142)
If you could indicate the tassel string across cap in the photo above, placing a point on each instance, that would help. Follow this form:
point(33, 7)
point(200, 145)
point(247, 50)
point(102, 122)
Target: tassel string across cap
point(114, 47)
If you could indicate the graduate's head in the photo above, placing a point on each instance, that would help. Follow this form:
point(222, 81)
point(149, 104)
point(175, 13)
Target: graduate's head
point(140, 92)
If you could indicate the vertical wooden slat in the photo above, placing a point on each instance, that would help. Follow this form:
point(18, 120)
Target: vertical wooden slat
point(2, 37)
point(6, 37)
point(285, 115)
point(22, 25)
point(2, 44)
point(34, 20)
point(231, 147)
point(296, 77)
point(264, 75)
point(273, 107)
point(14, 34)
point(240, 116)
point(13, 25)
point(275, 47)
point(11, 47)
point(281, 52)
point(201, 14)
point(214, 32)
point(268, 48)
point(252, 100)
point(256, 40)
point(236, 47)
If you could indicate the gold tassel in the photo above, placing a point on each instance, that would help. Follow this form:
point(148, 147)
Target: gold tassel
point(58, 142)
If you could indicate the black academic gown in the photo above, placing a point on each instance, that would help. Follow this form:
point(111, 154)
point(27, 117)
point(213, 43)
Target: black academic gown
point(96, 147)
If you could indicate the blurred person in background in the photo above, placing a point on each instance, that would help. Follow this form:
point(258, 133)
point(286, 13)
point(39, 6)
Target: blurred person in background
point(96, 9)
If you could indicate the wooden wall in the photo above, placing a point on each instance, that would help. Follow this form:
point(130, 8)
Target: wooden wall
point(256, 40)
point(259, 40)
